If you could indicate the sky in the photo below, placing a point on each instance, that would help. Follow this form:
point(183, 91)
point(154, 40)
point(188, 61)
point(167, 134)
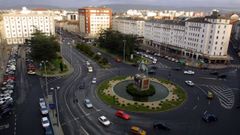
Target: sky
point(81, 3)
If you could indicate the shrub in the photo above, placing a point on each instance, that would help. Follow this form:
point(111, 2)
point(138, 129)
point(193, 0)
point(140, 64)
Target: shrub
point(132, 90)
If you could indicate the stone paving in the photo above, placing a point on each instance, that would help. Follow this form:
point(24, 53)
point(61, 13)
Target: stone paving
point(171, 96)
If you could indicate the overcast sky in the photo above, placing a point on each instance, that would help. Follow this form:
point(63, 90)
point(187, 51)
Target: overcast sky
point(80, 3)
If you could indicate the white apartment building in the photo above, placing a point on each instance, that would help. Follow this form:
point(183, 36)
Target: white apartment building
point(20, 25)
point(128, 25)
point(199, 38)
point(94, 19)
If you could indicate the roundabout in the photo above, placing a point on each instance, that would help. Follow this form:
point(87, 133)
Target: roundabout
point(166, 95)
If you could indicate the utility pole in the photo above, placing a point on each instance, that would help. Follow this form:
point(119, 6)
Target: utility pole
point(124, 44)
point(46, 82)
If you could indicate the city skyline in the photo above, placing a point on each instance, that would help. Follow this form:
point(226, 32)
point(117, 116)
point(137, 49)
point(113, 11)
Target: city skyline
point(81, 3)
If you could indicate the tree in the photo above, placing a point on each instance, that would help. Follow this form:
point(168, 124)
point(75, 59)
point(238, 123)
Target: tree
point(43, 47)
point(113, 42)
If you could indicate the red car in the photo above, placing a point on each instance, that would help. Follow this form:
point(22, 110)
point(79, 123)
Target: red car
point(122, 114)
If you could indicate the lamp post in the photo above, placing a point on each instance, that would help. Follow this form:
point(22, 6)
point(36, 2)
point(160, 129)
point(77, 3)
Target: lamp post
point(56, 102)
point(124, 44)
point(46, 82)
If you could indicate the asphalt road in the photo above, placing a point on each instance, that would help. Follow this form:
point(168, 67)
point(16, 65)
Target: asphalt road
point(186, 119)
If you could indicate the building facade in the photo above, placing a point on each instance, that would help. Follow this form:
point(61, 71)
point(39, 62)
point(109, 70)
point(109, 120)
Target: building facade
point(126, 25)
point(20, 25)
point(94, 19)
point(204, 38)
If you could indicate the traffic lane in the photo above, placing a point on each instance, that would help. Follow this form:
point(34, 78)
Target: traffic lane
point(28, 113)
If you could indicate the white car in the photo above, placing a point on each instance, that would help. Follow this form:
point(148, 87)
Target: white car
point(45, 122)
point(90, 69)
point(88, 103)
point(42, 102)
point(154, 62)
point(44, 110)
point(94, 80)
point(189, 72)
point(87, 63)
point(190, 83)
point(104, 121)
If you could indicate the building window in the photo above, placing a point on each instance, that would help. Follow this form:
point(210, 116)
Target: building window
point(220, 48)
point(218, 32)
point(210, 37)
point(215, 48)
point(217, 37)
point(220, 53)
point(216, 42)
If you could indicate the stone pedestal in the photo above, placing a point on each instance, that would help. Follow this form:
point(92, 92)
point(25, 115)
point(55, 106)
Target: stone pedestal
point(142, 82)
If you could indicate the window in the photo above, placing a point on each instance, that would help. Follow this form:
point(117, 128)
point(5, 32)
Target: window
point(209, 42)
point(218, 32)
point(217, 37)
point(215, 48)
point(216, 42)
point(220, 48)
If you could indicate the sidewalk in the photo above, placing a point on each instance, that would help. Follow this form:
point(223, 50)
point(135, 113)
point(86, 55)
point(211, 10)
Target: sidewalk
point(53, 118)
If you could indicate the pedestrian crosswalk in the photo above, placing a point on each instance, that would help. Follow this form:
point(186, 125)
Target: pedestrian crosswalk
point(224, 94)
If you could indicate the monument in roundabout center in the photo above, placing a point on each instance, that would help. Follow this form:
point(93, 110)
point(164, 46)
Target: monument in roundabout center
point(141, 86)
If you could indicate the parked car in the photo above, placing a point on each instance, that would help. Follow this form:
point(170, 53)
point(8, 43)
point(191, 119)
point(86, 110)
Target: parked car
point(189, 72)
point(209, 117)
point(42, 102)
point(44, 110)
point(88, 103)
point(103, 120)
point(48, 131)
point(122, 115)
point(160, 125)
point(137, 131)
point(190, 83)
point(45, 122)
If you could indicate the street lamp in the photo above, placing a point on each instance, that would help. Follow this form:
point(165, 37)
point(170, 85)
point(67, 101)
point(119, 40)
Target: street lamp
point(124, 44)
point(45, 69)
point(56, 102)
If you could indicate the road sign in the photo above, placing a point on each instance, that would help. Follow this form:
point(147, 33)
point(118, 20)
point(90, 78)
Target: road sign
point(52, 106)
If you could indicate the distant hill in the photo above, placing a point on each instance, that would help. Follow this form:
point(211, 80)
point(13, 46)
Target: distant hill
point(123, 8)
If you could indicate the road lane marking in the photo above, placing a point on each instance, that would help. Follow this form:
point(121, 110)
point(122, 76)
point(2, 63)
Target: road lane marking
point(84, 130)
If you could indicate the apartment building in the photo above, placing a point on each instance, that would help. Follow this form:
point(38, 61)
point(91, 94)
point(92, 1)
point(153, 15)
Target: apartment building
point(20, 25)
point(128, 25)
point(198, 38)
point(94, 19)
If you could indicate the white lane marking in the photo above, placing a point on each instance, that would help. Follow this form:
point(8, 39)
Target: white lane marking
point(84, 130)
point(201, 90)
point(194, 107)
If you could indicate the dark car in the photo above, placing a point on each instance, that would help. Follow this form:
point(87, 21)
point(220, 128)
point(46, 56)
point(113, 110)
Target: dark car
point(209, 117)
point(153, 67)
point(151, 72)
point(214, 73)
point(177, 68)
point(82, 85)
point(222, 76)
point(48, 131)
point(160, 125)
point(6, 113)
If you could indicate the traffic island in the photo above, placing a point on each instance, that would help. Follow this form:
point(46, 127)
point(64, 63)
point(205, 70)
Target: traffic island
point(169, 95)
